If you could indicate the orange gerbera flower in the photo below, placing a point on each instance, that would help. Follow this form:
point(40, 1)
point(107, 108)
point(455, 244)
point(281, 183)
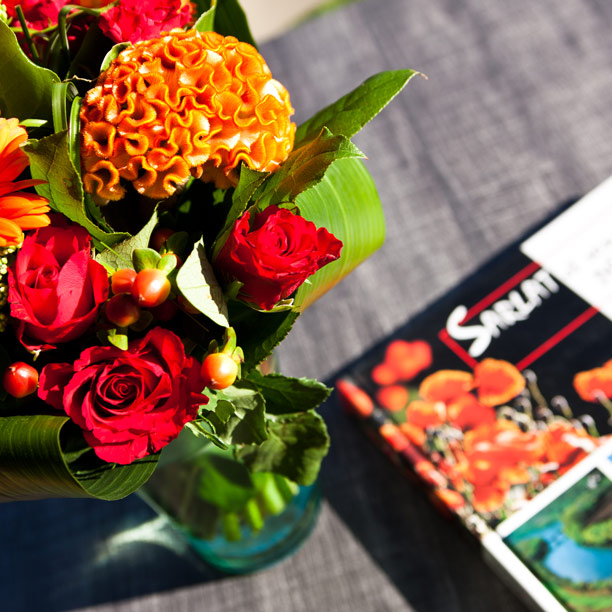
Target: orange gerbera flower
point(445, 385)
point(19, 210)
point(498, 381)
point(188, 103)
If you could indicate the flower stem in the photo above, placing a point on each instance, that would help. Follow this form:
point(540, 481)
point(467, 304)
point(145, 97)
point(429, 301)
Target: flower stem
point(26, 34)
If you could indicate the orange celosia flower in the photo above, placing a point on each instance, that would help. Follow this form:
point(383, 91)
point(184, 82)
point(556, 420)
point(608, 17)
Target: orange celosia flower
point(188, 103)
point(19, 210)
point(445, 385)
point(497, 381)
point(591, 383)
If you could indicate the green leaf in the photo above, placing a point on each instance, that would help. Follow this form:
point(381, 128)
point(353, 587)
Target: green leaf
point(50, 161)
point(350, 113)
point(259, 332)
point(230, 20)
point(295, 448)
point(34, 465)
point(143, 258)
point(248, 183)
point(304, 168)
point(25, 88)
point(347, 204)
point(247, 423)
point(286, 395)
point(224, 482)
point(112, 54)
point(206, 21)
point(196, 281)
point(120, 255)
point(118, 339)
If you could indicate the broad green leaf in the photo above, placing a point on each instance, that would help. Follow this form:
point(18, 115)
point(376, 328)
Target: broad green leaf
point(350, 113)
point(206, 21)
point(50, 161)
point(347, 204)
point(285, 395)
point(120, 255)
point(304, 168)
point(33, 464)
point(25, 88)
point(112, 54)
point(230, 20)
point(295, 448)
point(259, 332)
point(196, 281)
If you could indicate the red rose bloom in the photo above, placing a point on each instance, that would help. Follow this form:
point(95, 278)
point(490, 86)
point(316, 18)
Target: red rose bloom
point(274, 256)
point(39, 14)
point(130, 403)
point(55, 288)
point(134, 20)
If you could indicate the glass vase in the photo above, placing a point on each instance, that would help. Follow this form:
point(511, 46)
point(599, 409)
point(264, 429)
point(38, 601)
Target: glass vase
point(236, 521)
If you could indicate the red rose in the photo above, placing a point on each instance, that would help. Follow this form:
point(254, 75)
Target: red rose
point(275, 255)
point(134, 20)
point(55, 288)
point(39, 14)
point(130, 403)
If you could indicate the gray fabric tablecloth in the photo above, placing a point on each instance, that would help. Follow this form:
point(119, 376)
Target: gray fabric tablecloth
point(514, 120)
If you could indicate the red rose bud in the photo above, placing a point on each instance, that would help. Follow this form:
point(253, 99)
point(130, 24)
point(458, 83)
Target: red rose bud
point(275, 255)
point(20, 379)
point(151, 288)
point(122, 281)
point(129, 403)
point(55, 287)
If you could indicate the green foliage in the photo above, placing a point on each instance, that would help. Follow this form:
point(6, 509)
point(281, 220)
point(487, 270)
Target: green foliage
point(33, 455)
point(33, 101)
point(50, 161)
point(197, 282)
point(295, 447)
point(351, 112)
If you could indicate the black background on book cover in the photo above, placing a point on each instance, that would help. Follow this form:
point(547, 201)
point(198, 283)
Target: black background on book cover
point(514, 119)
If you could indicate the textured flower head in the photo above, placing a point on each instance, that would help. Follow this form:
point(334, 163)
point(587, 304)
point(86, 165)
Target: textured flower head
point(186, 104)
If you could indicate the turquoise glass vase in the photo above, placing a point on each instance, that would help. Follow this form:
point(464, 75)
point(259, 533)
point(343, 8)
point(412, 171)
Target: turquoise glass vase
point(236, 521)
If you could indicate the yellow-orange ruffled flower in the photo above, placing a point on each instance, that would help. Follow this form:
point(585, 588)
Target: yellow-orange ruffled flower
point(186, 104)
point(19, 210)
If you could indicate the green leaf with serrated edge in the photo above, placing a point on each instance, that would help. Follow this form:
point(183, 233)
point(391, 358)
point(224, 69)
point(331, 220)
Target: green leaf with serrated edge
point(25, 88)
point(50, 161)
point(196, 281)
point(346, 187)
point(230, 20)
point(143, 258)
point(259, 332)
point(34, 466)
point(350, 113)
point(120, 255)
point(304, 168)
point(112, 54)
point(248, 183)
point(285, 395)
point(295, 448)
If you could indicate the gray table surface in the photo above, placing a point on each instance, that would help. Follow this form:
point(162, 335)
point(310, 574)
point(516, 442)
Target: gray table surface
point(514, 120)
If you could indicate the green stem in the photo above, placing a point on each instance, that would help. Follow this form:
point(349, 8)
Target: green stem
point(230, 523)
point(26, 34)
point(253, 515)
point(270, 497)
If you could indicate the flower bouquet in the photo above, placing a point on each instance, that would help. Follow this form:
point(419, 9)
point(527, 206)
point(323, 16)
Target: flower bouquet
point(163, 223)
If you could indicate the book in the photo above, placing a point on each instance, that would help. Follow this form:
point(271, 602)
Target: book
point(498, 397)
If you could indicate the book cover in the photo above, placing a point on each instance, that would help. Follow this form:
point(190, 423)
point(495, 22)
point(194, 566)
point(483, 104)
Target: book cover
point(499, 398)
